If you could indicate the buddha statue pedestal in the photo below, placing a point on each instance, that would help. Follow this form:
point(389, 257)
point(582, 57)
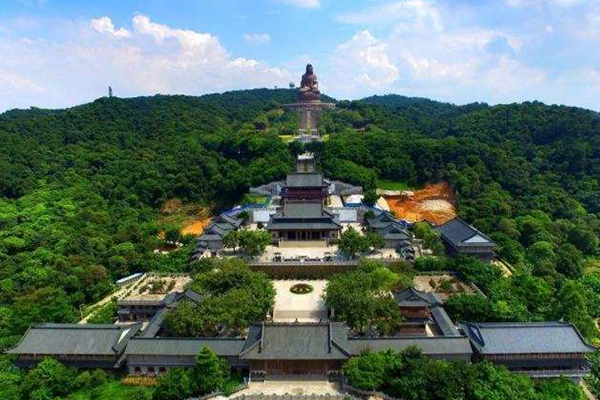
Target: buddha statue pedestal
point(308, 107)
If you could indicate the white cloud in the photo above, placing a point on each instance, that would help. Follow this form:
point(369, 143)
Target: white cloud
point(105, 25)
point(361, 65)
point(432, 50)
point(303, 3)
point(447, 50)
point(10, 80)
point(257, 38)
point(591, 76)
point(407, 14)
point(152, 58)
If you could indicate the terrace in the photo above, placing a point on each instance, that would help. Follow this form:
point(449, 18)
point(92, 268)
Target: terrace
point(156, 287)
point(305, 307)
point(316, 252)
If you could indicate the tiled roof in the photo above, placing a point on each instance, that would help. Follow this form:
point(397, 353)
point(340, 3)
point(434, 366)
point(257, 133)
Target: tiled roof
point(77, 339)
point(413, 297)
point(306, 225)
point(304, 179)
point(154, 325)
point(305, 215)
point(526, 338)
point(429, 345)
point(396, 236)
point(444, 322)
point(207, 237)
point(234, 221)
point(309, 341)
point(305, 209)
point(192, 295)
point(459, 233)
point(184, 346)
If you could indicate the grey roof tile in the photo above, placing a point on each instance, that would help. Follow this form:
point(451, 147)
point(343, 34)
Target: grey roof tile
point(184, 346)
point(458, 232)
point(526, 338)
point(81, 339)
point(413, 297)
point(307, 225)
point(153, 327)
point(443, 321)
point(304, 179)
point(429, 345)
point(307, 341)
point(307, 209)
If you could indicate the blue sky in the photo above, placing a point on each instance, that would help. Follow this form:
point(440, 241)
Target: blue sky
point(59, 53)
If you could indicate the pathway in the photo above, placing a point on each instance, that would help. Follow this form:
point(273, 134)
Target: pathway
point(293, 387)
point(118, 294)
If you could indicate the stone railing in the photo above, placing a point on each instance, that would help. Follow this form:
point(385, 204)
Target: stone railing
point(302, 270)
point(166, 274)
point(364, 394)
point(262, 396)
point(218, 393)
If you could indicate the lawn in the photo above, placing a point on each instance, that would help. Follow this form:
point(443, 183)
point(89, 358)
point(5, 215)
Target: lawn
point(111, 390)
point(393, 185)
point(254, 199)
point(286, 138)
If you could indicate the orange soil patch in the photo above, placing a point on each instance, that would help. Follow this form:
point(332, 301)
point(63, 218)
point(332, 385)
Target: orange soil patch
point(191, 217)
point(196, 227)
point(435, 203)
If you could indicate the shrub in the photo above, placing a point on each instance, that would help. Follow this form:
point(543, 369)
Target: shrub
point(434, 264)
point(301, 288)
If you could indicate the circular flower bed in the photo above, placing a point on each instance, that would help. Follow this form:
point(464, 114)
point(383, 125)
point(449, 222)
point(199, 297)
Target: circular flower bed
point(301, 288)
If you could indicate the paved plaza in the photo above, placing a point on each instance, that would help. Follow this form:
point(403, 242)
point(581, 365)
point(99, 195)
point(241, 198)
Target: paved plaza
point(292, 387)
point(290, 307)
point(295, 253)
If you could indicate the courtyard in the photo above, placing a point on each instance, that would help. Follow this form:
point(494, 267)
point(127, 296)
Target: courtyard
point(442, 285)
point(307, 307)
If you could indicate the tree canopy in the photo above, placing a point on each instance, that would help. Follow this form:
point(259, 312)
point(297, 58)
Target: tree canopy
point(234, 297)
point(362, 299)
point(410, 375)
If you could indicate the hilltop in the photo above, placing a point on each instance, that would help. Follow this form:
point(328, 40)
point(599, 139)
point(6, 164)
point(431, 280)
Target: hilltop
point(82, 187)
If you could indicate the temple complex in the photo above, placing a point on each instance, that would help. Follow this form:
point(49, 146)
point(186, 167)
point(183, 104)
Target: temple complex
point(305, 214)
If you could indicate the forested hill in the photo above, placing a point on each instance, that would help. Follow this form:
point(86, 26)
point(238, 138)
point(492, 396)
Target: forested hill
point(155, 145)
point(399, 101)
point(80, 188)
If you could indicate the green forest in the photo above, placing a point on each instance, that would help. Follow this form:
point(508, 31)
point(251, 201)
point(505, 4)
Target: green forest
point(81, 191)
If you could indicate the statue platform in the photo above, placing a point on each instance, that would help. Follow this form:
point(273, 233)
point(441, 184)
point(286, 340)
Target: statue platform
point(310, 105)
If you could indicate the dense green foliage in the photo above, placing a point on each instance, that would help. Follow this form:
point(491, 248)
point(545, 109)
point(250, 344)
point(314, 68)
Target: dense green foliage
point(352, 242)
point(106, 314)
point(431, 239)
point(521, 297)
point(524, 173)
point(410, 375)
point(51, 380)
point(362, 298)
point(210, 374)
point(251, 242)
point(234, 297)
point(80, 190)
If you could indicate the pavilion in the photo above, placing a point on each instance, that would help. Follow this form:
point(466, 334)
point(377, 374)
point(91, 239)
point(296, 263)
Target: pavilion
point(304, 221)
point(305, 186)
point(539, 349)
point(462, 238)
